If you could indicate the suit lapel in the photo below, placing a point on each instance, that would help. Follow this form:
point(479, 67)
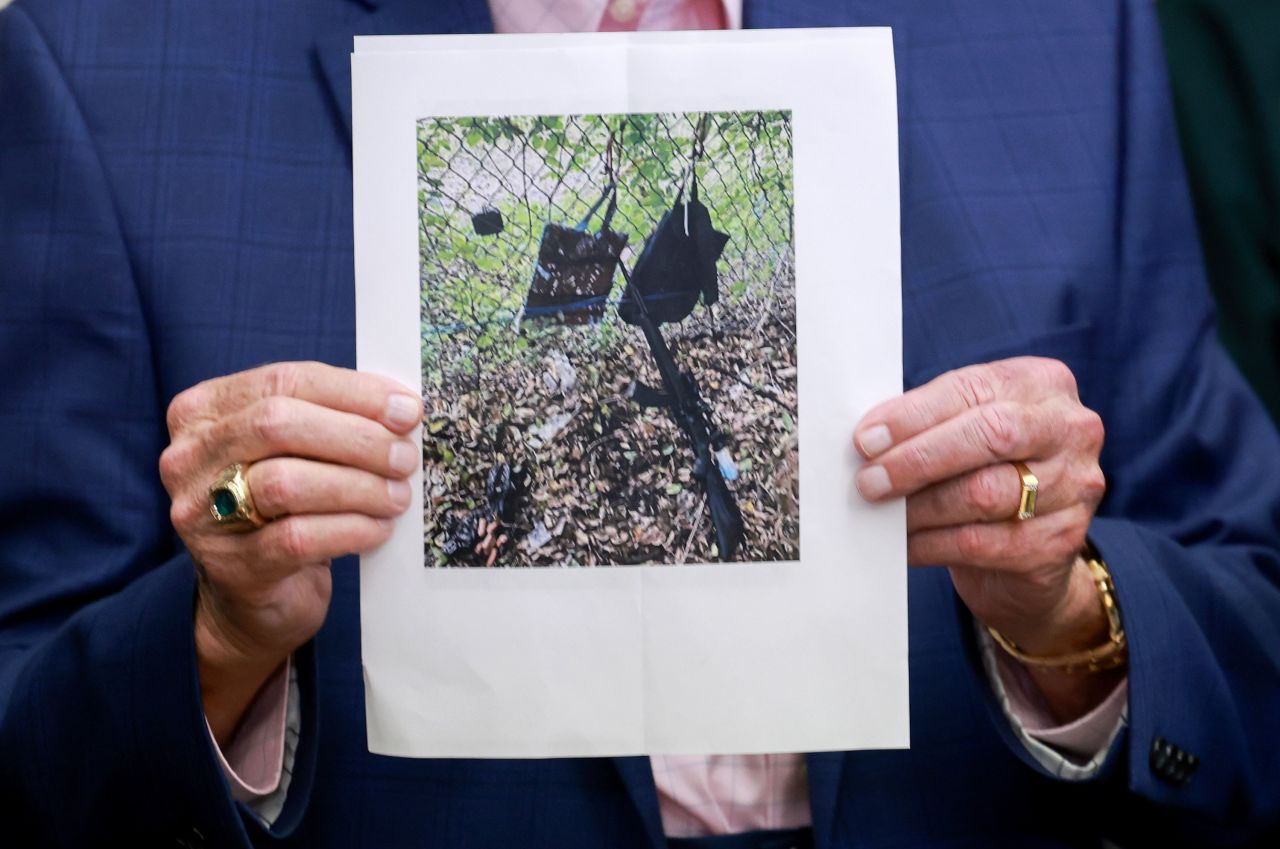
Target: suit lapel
point(388, 17)
point(637, 775)
point(824, 789)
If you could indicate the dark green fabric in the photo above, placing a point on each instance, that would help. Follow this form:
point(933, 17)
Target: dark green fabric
point(1224, 64)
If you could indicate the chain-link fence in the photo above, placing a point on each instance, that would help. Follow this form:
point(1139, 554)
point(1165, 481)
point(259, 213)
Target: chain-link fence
point(535, 170)
point(608, 482)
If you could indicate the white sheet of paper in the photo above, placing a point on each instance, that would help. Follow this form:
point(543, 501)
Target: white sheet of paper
point(808, 655)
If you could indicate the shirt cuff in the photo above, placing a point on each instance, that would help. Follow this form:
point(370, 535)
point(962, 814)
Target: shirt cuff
point(253, 760)
point(1084, 736)
point(1074, 751)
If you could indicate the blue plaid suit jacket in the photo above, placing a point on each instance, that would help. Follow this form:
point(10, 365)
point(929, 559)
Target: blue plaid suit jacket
point(175, 203)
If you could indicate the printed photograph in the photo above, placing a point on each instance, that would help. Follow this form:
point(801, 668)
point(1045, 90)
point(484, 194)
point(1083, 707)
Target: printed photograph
point(608, 339)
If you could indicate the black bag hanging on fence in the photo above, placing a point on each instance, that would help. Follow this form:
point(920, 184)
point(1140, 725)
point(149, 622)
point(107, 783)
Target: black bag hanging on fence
point(487, 222)
point(678, 262)
point(574, 274)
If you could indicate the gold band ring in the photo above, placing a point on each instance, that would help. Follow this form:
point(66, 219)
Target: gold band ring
point(1030, 487)
point(230, 501)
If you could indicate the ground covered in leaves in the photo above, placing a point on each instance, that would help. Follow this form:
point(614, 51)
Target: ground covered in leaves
point(605, 480)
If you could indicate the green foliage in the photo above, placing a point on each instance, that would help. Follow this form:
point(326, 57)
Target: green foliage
point(539, 169)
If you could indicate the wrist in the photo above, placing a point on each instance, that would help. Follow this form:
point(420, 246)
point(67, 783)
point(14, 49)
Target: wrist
point(1078, 655)
point(1078, 622)
point(230, 673)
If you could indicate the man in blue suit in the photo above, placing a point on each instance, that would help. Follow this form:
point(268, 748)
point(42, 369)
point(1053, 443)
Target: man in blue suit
point(175, 210)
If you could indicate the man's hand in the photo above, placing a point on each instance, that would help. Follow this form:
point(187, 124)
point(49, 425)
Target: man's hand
point(949, 447)
point(327, 459)
point(491, 539)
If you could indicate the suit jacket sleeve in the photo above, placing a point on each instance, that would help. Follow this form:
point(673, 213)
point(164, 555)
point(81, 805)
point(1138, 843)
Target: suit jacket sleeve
point(102, 734)
point(1191, 523)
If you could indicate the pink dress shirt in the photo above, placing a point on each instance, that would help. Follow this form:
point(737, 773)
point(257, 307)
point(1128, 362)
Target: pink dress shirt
point(698, 795)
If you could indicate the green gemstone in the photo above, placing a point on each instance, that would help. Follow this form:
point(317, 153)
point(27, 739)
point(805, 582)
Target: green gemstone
point(225, 503)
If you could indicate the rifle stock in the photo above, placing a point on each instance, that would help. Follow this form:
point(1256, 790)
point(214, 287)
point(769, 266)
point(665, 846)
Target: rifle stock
point(725, 514)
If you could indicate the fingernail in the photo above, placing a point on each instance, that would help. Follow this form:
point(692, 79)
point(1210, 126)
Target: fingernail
point(873, 482)
point(399, 492)
point(386, 524)
point(403, 457)
point(874, 440)
point(402, 411)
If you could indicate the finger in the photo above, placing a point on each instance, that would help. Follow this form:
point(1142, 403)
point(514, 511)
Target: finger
point(279, 427)
point(283, 546)
point(369, 395)
point(1027, 379)
point(1004, 546)
point(994, 493)
point(992, 433)
point(284, 486)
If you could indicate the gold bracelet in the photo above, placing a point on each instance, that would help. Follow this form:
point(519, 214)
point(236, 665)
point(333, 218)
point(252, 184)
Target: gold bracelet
point(1112, 654)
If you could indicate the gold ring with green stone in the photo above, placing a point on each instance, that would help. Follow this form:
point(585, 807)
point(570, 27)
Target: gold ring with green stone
point(230, 501)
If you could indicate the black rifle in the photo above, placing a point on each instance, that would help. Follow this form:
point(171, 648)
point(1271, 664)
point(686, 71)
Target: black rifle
point(693, 416)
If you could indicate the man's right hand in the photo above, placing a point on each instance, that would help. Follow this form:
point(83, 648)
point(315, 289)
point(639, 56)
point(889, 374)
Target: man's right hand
point(328, 455)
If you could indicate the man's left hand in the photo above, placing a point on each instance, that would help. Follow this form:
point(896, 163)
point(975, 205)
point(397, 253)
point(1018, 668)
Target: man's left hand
point(949, 447)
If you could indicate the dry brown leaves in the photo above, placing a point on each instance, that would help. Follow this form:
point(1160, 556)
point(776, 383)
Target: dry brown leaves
point(610, 482)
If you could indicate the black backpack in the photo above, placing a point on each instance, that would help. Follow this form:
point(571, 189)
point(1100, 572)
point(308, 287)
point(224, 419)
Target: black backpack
point(677, 265)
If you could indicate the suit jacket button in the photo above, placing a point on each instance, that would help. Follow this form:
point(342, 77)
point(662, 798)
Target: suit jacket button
point(1171, 764)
